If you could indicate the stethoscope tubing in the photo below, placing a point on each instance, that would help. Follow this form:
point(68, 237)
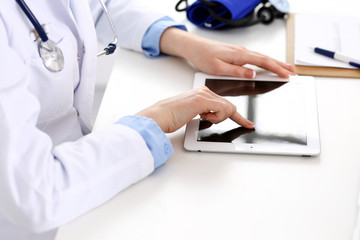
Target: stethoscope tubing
point(40, 30)
point(111, 46)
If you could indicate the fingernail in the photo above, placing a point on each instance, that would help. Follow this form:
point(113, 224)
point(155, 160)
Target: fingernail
point(251, 123)
point(250, 74)
point(254, 74)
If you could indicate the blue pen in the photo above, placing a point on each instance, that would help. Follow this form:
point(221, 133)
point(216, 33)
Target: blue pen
point(338, 56)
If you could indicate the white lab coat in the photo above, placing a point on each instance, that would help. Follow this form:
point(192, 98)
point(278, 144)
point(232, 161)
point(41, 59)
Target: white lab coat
point(52, 169)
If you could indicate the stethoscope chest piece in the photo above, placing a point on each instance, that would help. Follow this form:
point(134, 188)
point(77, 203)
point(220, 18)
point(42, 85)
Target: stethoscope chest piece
point(51, 56)
point(50, 53)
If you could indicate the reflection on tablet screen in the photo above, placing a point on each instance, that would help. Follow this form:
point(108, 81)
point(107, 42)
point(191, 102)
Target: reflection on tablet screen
point(276, 108)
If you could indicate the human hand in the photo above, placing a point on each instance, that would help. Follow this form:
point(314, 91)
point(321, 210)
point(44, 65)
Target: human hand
point(173, 113)
point(218, 58)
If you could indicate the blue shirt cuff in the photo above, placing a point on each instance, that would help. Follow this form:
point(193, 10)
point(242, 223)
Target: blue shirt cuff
point(151, 39)
point(156, 140)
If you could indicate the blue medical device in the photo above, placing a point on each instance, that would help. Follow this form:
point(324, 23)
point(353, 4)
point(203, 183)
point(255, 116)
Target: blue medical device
point(233, 13)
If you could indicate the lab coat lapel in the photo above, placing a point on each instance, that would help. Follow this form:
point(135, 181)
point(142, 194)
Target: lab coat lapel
point(84, 94)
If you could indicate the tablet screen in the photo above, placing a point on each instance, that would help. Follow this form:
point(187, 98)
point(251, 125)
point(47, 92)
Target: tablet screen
point(277, 108)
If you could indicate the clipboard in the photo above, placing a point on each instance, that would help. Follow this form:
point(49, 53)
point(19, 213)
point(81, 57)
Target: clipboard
point(311, 70)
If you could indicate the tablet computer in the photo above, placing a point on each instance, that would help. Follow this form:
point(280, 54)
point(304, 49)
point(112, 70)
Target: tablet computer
point(284, 112)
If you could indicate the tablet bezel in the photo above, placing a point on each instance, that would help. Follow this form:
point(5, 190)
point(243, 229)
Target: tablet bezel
point(312, 125)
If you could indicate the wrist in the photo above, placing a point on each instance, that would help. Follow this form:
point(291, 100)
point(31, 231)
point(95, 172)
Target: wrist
point(151, 39)
point(155, 139)
point(177, 42)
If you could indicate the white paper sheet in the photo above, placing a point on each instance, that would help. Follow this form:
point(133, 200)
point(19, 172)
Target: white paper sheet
point(334, 33)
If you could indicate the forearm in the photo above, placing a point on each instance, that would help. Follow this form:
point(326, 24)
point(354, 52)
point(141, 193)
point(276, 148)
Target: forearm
point(178, 43)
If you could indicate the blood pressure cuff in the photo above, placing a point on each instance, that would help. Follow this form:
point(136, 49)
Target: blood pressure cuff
point(199, 13)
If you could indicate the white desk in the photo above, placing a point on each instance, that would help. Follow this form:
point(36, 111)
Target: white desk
point(232, 196)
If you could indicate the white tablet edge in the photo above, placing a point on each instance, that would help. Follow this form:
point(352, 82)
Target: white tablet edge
point(313, 139)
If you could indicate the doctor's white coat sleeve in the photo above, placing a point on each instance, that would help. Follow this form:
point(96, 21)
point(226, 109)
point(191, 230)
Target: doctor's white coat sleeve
point(131, 19)
point(44, 186)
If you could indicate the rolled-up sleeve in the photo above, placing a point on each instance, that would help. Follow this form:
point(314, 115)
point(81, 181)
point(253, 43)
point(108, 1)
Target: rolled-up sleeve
point(151, 39)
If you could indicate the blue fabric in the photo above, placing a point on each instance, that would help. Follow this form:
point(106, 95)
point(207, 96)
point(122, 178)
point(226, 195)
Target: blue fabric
point(198, 13)
point(156, 140)
point(151, 39)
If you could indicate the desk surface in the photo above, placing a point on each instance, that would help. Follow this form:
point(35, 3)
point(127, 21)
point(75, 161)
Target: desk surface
point(231, 196)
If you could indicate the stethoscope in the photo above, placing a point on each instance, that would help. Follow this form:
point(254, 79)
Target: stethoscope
point(50, 53)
